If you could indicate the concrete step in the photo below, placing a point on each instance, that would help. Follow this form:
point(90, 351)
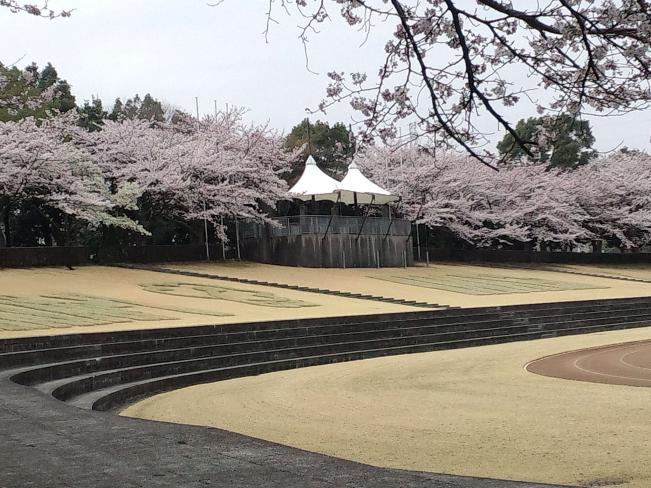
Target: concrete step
point(118, 395)
point(228, 334)
point(81, 375)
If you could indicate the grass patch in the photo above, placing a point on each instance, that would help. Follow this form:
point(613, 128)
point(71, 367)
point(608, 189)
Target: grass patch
point(484, 284)
point(216, 292)
point(62, 311)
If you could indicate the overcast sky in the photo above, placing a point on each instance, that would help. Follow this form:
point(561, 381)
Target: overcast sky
point(179, 49)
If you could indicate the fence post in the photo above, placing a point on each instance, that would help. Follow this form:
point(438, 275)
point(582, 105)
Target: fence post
point(378, 258)
point(404, 258)
point(427, 256)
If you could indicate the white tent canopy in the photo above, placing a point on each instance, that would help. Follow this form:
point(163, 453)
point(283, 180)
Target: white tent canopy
point(355, 187)
point(314, 183)
point(367, 192)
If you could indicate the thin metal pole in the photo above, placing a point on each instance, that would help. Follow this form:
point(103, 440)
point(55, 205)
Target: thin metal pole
point(205, 230)
point(205, 219)
point(237, 238)
point(309, 137)
point(427, 256)
point(223, 239)
point(378, 258)
point(418, 241)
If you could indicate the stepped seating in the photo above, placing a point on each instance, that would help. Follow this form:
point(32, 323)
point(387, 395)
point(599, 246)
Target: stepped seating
point(104, 371)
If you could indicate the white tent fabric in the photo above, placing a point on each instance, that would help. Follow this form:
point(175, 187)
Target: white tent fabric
point(367, 192)
point(314, 183)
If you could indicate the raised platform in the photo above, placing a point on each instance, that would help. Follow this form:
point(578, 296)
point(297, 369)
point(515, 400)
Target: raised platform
point(329, 241)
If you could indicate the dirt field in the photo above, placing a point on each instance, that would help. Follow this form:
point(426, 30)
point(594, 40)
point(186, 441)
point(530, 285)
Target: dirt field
point(473, 411)
point(637, 271)
point(449, 284)
point(94, 298)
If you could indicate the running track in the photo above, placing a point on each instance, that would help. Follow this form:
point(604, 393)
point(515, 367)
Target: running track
point(616, 364)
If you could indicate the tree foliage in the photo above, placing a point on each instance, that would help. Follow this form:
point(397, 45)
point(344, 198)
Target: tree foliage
point(32, 92)
point(450, 61)
point(147, 108)
point(41, 169)
point(568, 144)
point(521, 205)
point(61, 182)
point(332, 146)
point(41, 10)
point(92, 115)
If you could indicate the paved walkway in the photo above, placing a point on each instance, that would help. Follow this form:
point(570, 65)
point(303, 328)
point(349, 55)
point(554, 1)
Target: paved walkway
point(48, 444)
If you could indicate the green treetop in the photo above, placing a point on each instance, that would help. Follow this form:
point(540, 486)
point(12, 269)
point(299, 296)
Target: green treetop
point(564, 141)
point(331, 146)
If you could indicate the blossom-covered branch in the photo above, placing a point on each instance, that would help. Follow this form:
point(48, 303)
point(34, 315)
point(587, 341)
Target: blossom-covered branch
point(560, 56)
point(41, 10)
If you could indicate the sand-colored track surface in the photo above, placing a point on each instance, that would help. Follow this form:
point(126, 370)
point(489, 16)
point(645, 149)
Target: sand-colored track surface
point(448, 284)
point(473, 411)
point(47, 301)
point(619, 364)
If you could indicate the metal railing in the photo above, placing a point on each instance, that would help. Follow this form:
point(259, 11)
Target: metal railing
point(325, 224)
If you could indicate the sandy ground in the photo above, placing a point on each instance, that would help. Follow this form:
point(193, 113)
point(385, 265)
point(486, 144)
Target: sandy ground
point(51, 301)
point(474, 411)
point(449, 284)
point(637, 271)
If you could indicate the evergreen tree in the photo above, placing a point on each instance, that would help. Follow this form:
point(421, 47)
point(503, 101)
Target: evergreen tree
point(48, 77)
point(92, 115)
point(566, 141)
point(147, 108)
point(331, 147)
point(32, 93)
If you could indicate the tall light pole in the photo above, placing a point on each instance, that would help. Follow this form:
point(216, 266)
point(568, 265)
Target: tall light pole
point(205, 219)
point(221, 217)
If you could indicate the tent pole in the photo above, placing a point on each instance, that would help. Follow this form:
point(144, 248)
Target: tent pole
point(388, 229)
point(331, 217)
point(364, 220)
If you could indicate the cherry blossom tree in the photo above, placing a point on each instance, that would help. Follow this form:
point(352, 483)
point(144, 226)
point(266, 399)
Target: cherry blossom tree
point(39, 164)
point(615, 194)
point(527, 206)
point(191, 170)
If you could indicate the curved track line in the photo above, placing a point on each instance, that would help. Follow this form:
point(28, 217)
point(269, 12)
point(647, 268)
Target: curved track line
point(604, 364)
